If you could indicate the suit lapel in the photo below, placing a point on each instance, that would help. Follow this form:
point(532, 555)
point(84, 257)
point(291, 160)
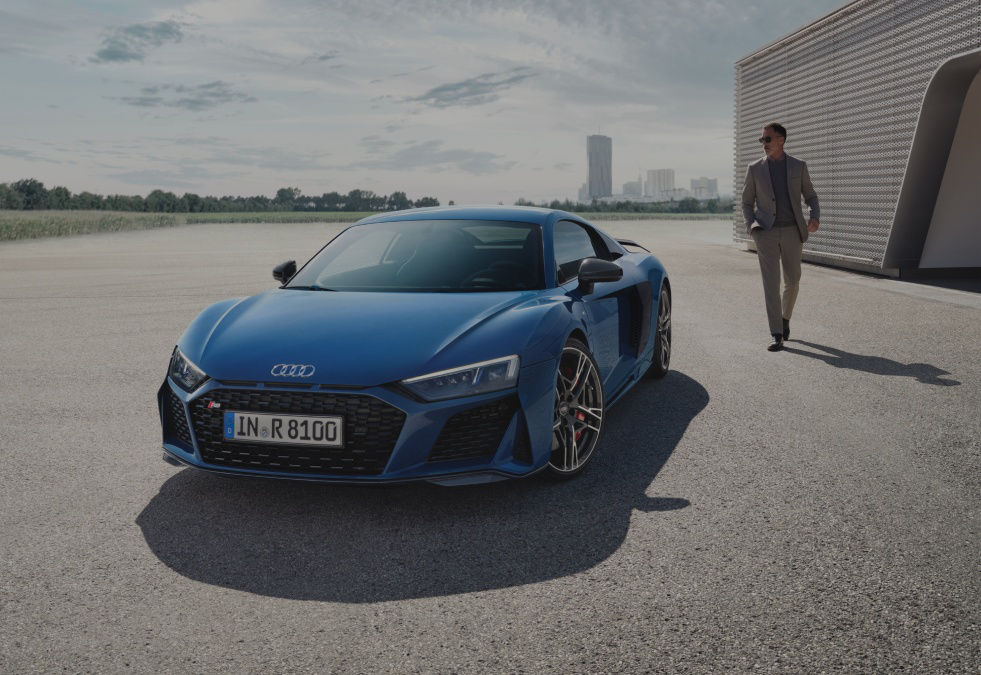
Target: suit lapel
point(765, 170)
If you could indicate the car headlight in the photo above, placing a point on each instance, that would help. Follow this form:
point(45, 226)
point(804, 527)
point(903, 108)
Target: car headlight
point(476, 378)
point(187, 375)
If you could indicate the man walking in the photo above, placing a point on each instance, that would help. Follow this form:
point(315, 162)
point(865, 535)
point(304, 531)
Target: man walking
point(772, 211)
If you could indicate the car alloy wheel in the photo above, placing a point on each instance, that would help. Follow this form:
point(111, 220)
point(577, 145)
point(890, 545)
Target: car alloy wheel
point(662, 337)
point(578, 411)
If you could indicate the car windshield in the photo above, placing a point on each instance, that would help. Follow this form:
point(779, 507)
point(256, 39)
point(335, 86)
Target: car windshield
point(429, 256)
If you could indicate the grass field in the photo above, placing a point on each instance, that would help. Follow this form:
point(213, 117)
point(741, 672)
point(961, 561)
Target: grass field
point(276, 217)
point(627, 215)
point(36, 224)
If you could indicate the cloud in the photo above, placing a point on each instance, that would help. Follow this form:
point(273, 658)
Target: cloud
point(19, 153)
point(131, 43)
point(407, 73)
point(217, 150)
point(163, 179)
point(431, 155)
point(375, 144)
point(27, 34)
point(320, 58)
point(277, 159)
point(475, 91)
point(193, 98)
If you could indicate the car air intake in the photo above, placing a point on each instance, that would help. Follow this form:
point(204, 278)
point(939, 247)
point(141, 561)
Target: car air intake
point(474, 433)
point(175, 421)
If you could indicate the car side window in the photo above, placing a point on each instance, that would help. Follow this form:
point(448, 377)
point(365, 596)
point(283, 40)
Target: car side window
point(573, 243)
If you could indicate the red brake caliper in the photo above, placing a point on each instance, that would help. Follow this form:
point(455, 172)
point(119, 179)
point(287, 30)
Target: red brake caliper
point(582, 418)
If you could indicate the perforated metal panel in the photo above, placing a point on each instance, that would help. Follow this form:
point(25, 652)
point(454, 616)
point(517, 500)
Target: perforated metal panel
point(849, 89)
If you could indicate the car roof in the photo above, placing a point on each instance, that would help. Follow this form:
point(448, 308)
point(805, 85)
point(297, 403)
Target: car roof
point(521, 214)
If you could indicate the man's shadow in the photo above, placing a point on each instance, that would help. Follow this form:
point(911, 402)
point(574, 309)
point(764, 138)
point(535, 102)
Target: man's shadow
point(360, 544)
point(877, 365)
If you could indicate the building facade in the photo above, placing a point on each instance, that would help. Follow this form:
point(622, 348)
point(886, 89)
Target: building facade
point(633, 188)
point(705, 188)
point(882, 99)
point(659, 182)
point(599, 166)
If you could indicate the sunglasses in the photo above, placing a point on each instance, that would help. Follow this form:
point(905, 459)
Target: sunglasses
point(766, 139)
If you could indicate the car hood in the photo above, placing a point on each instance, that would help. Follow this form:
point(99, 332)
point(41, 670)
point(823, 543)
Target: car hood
point(356, 339)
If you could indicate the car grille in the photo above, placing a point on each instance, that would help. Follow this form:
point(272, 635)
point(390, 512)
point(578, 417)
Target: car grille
point(475, 432)
point(371, 428)
point(175, 420)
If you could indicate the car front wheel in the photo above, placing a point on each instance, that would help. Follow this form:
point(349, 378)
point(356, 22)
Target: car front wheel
point(662, 337)
point(579, 407)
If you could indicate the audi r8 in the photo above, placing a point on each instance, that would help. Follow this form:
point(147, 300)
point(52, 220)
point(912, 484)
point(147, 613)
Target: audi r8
point(456, 345)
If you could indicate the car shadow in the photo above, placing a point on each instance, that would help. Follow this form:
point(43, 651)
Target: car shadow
point(876, 365)
point(370, 544)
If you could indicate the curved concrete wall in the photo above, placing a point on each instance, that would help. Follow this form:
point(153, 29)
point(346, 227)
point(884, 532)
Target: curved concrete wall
point(934, 145)
point(954, 239)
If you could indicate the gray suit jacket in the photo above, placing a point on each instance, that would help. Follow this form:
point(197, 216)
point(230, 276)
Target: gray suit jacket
point(760, 205)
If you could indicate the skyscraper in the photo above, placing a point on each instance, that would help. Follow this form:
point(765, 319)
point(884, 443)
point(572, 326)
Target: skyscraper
point(659, 181)
point(599, 163)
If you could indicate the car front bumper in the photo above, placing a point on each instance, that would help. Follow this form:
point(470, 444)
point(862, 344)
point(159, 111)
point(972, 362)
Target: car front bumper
point(389, 436)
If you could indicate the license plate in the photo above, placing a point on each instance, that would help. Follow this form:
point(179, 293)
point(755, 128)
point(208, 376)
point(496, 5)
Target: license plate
point(285, 429)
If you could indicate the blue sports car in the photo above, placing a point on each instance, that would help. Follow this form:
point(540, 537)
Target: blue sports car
point(455, 345)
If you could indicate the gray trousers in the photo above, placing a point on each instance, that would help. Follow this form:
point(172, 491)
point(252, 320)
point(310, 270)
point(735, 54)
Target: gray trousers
point(776, 246)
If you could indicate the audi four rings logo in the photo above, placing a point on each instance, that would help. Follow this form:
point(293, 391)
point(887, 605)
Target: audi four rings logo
point(292, 370)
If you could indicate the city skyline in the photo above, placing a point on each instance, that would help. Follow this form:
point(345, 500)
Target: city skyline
point(476, 102)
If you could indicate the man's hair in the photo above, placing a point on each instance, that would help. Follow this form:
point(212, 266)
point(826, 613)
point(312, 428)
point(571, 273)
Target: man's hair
point(777, 127)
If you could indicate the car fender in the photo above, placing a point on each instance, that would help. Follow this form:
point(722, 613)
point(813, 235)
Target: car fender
point(194, 339)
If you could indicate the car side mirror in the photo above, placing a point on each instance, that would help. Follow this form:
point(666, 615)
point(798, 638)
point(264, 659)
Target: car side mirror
point(594, 270)
point(284, 271)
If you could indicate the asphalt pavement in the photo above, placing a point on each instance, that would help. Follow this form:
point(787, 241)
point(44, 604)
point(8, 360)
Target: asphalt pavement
point(814, 510)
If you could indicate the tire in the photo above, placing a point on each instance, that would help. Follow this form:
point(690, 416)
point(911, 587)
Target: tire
point(579, 409)
point(662, 337)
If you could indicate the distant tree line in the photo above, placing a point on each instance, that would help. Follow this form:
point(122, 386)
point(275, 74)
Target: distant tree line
point(686, 205)
point(30, 194)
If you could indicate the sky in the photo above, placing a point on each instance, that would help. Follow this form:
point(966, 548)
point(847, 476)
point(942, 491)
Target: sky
point(476, 101)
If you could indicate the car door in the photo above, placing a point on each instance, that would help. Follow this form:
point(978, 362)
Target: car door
point(574, 242)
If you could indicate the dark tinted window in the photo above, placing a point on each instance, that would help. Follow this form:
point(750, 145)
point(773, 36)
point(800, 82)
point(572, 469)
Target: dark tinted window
point(573, 244)
point(429, 255)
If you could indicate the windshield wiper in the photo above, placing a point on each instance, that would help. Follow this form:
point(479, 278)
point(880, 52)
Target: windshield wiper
point(310, 288)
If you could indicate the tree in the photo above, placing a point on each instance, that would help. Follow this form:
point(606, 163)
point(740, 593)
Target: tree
point(286, 197)
point(32, 192)
point(373, 202)
point(397, 201)
point(10, 198)
point(118, 202)
point(59, 198)
point(688, 205)
point(331, 201)
point(86, 201)
point(193, 202)
point(159, 201)
point(354, 201)
point(427, 201)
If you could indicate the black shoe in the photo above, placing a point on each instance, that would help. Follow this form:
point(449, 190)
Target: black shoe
point(777, 343)
point(786, 329)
